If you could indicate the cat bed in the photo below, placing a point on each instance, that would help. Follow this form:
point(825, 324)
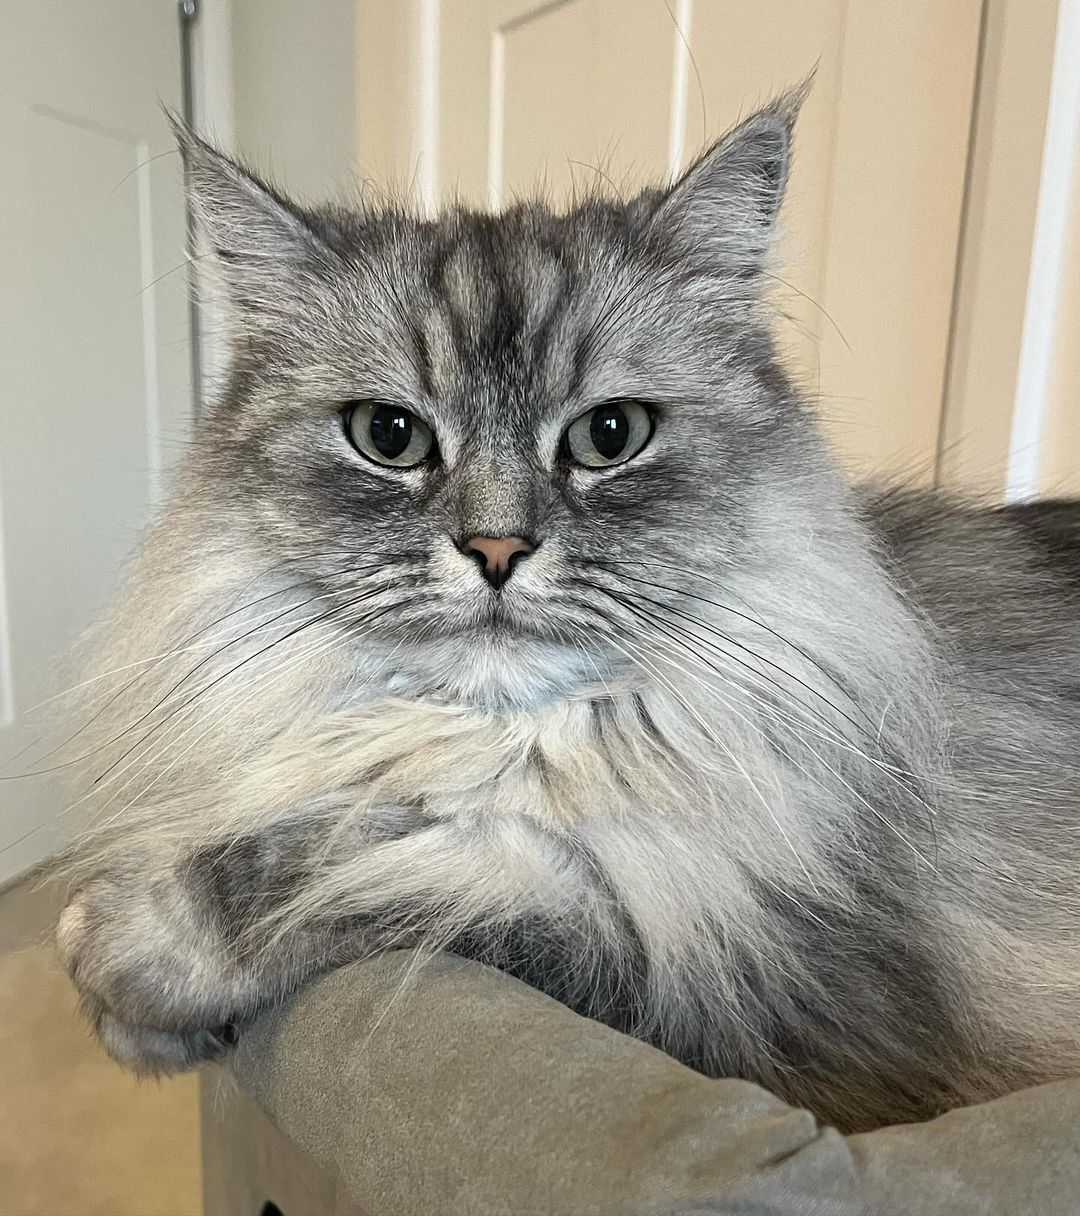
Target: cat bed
point(453, 1089)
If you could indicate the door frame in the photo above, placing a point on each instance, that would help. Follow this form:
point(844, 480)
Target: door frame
point(1008, 325)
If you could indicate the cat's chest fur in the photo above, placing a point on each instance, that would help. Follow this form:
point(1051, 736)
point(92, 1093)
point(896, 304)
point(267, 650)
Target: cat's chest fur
point(556, 768)
point(659, 801)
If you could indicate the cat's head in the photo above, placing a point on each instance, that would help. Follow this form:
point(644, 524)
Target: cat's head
point(482, 436)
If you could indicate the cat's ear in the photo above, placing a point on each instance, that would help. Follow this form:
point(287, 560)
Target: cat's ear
point(723, 209)
point(262, 245)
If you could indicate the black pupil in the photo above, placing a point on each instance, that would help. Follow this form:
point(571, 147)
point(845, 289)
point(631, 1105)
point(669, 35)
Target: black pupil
point(391, 430)
point(609, 430)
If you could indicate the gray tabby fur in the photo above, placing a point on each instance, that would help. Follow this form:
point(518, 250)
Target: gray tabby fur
point(777, 773)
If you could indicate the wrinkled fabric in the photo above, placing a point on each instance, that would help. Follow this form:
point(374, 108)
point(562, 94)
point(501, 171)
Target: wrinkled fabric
point(451, 1088)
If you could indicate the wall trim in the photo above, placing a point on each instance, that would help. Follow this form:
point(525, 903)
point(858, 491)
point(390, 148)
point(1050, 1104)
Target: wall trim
point(1041, 330)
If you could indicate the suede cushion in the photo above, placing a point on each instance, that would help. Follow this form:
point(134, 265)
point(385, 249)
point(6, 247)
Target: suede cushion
point(451, 1088)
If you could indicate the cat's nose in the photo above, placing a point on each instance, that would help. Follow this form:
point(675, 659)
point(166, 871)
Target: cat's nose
point(497, 555)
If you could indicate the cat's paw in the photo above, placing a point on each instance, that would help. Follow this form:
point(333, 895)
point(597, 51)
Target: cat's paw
point(150, 1052)
point(154, 978)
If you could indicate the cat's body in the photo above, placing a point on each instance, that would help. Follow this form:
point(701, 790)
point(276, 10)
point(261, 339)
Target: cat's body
point(774, 773)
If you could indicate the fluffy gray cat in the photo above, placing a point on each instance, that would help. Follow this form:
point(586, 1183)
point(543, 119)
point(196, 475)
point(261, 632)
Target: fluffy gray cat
point(510, 602)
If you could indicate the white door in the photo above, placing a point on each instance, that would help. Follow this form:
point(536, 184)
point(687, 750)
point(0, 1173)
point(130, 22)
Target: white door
point(485, 99)
point(95, 394)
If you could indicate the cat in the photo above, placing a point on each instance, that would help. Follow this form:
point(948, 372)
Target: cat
point(510, 602)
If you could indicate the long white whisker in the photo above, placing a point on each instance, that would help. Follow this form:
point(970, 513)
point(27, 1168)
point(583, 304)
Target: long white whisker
point(232, 704)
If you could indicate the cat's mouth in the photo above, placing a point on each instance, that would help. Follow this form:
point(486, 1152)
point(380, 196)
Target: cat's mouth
point(496, 629)
point(507, 619)
point(497, 662)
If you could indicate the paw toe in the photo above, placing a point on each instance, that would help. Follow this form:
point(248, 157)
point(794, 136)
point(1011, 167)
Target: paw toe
point(152, 1052)
point(70, 930)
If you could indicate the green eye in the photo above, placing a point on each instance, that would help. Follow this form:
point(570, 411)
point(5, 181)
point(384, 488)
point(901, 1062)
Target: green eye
point(388, 434)
point(610, 434)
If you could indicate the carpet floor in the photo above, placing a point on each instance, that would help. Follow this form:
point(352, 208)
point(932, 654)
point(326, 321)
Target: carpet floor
point(78, 1135)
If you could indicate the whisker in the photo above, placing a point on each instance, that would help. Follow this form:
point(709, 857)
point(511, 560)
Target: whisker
point(249, 658)
point(146, 760)
point(762, 677)
point(757, 623)
point(883, 819)
point(657, 624)
point(157, 705)
point(789, 698)
point(892, 771)
point(243, 696)
point(182, 648)
point(875, 736)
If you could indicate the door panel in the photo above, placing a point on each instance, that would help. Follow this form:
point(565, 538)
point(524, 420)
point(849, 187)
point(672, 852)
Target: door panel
point(893, 227)
point(94, 357)
point(999, 231)
point(573, 129)
point(559, 94)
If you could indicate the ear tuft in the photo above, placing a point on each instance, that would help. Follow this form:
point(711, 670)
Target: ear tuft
point(723, 208)
point(260, 241)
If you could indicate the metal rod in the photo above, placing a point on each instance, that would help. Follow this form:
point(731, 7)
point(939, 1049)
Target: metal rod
point(188, 14)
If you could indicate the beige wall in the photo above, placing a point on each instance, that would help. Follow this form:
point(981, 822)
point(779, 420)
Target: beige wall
point(1060, 465)
point(992, 286)
point(294, 69)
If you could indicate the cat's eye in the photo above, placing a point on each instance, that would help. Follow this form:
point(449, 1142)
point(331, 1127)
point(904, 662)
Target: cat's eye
point(609, 434)
point(388, 434)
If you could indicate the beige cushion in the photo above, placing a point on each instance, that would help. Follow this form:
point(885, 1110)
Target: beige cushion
point(451, 1088)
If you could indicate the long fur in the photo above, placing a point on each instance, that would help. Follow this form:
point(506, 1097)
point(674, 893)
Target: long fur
point(777, 774)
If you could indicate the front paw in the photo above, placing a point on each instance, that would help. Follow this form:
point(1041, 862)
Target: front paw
point(150, 1052)
point(159, 985)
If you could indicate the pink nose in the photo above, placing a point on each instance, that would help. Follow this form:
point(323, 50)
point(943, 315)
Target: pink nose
point(497, 555)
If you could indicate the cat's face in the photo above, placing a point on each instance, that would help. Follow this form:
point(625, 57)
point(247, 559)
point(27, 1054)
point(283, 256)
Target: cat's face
point(474, 434)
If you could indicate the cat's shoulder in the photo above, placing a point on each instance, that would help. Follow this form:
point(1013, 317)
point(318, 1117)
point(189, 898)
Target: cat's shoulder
point(917, 527)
